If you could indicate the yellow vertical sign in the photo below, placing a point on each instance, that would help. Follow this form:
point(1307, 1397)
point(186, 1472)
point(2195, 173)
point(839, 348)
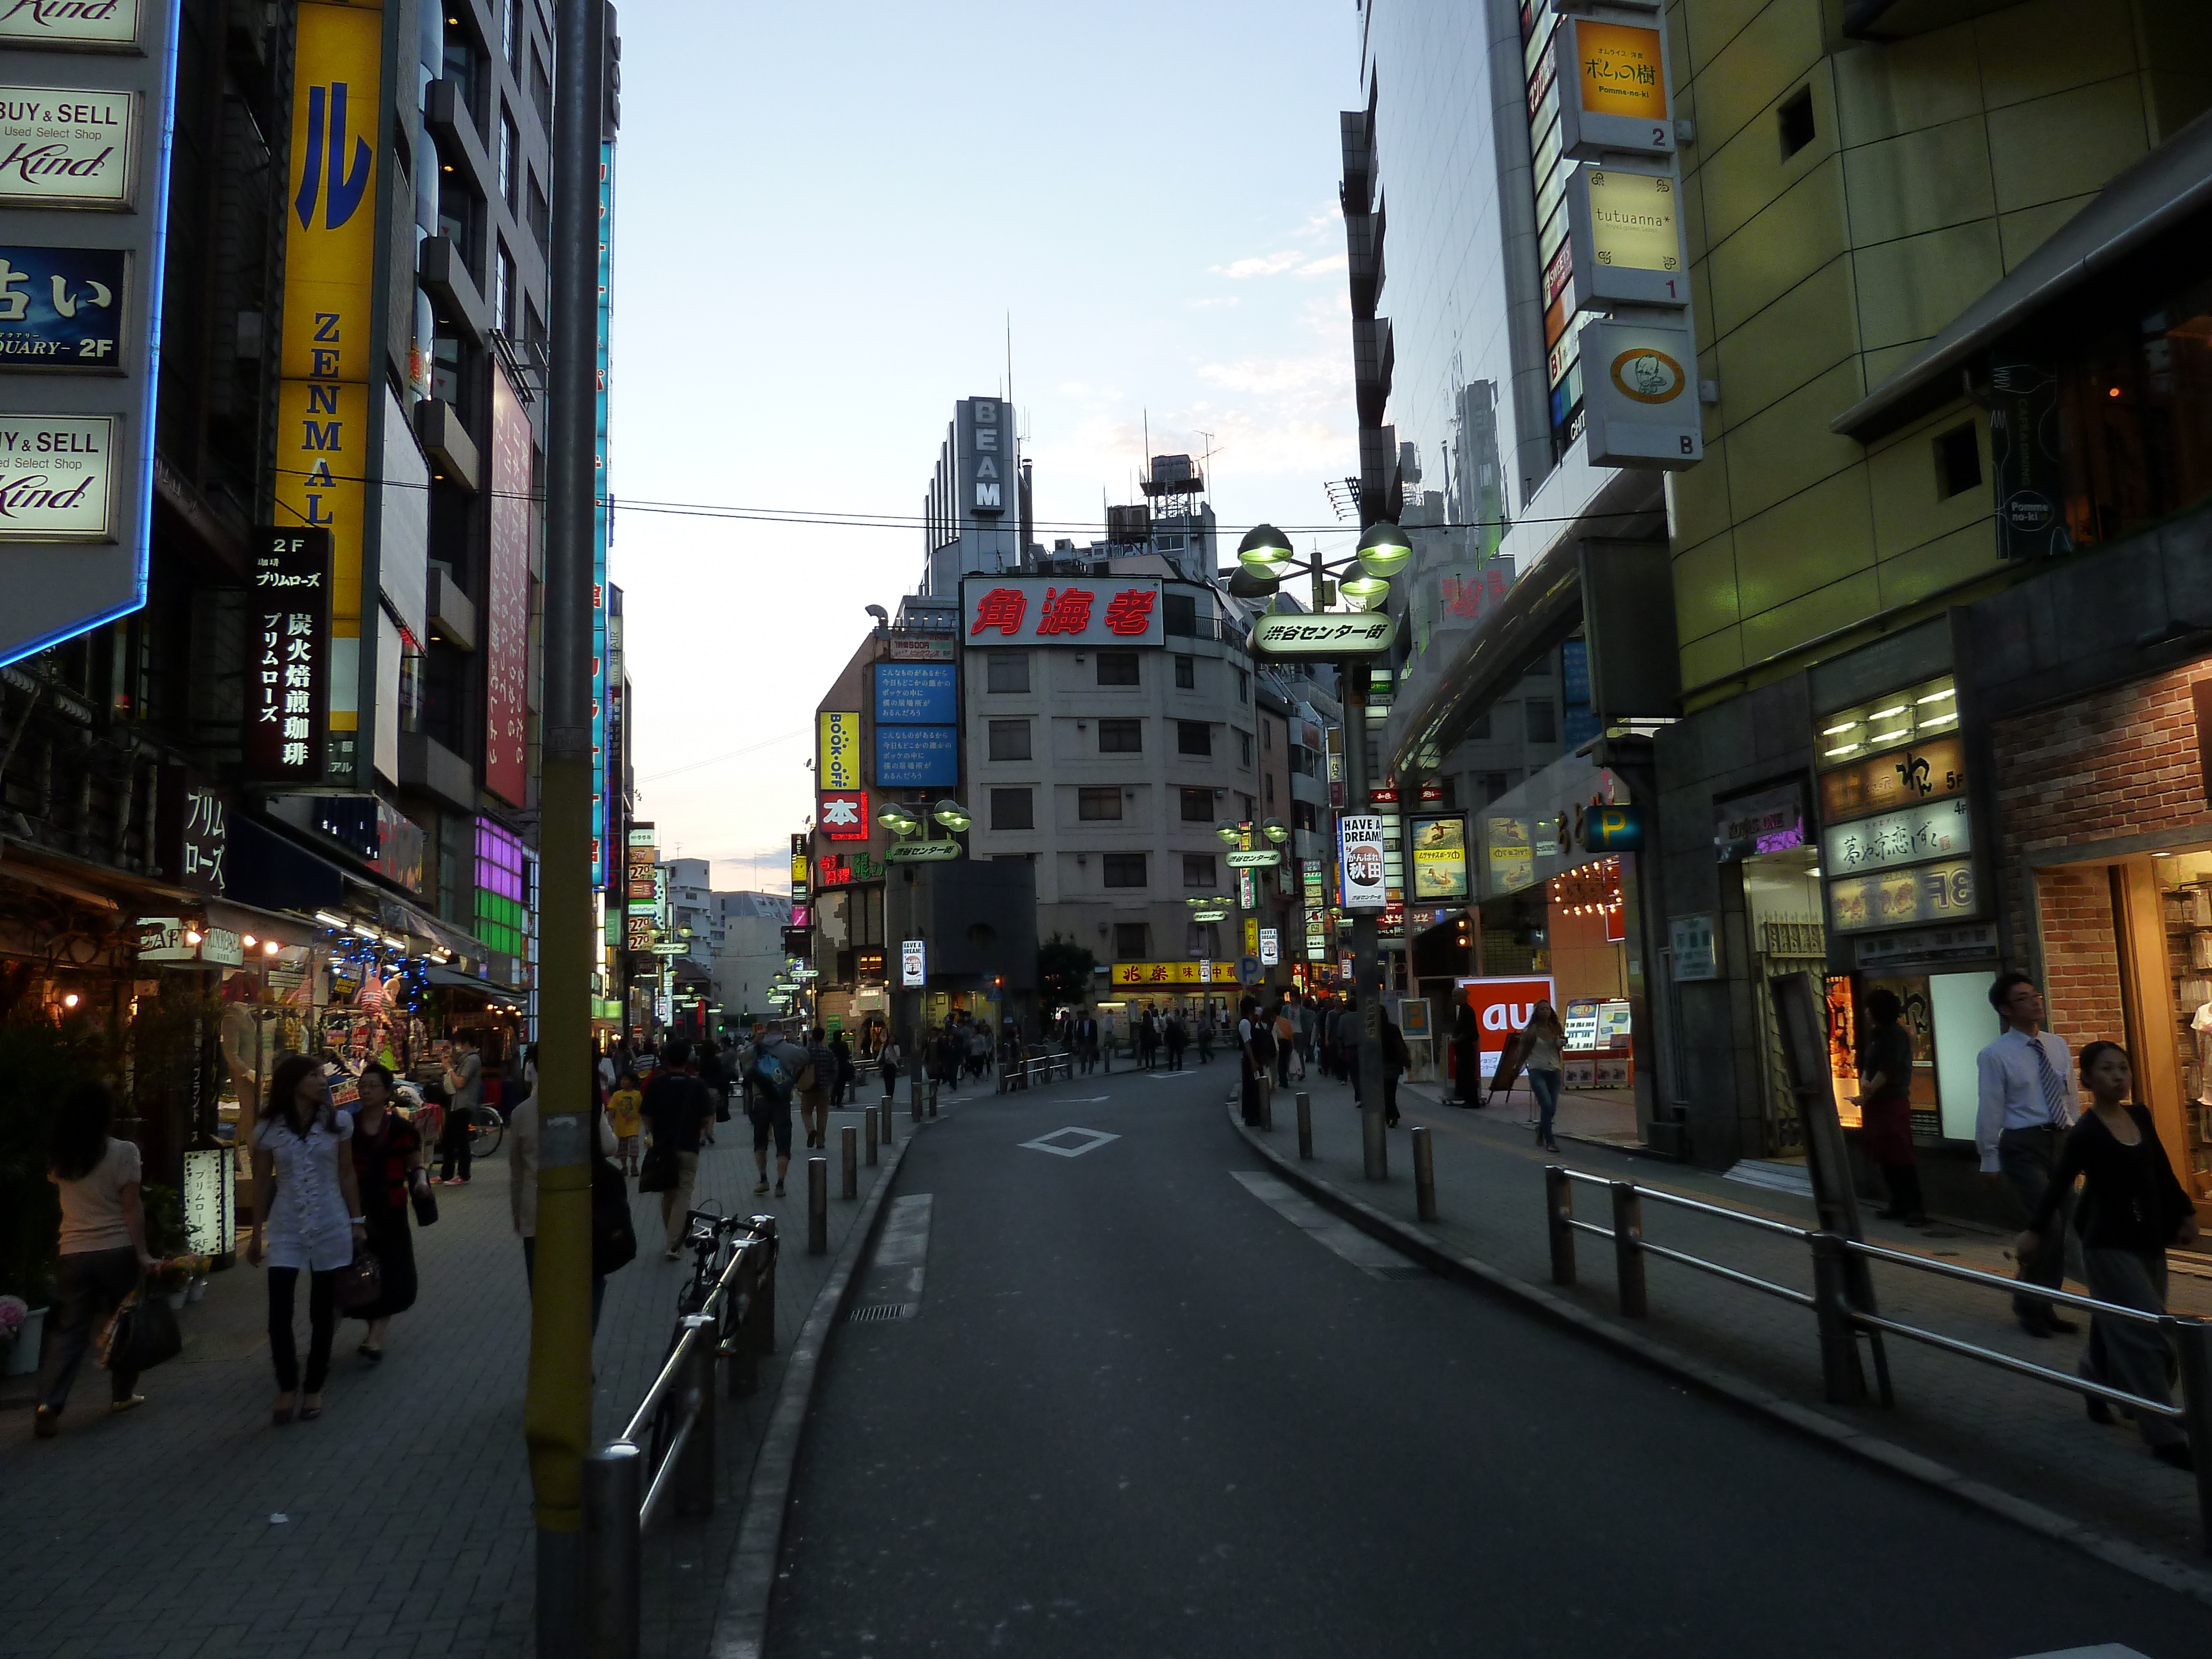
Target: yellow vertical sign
point(837, 754)
point(328, 356)
point(1621, 71)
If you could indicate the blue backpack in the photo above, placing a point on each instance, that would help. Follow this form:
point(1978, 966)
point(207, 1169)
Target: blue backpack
point(771, 1075)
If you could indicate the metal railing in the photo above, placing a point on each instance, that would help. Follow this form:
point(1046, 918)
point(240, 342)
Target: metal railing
point(1034, 1065)
point(668, 1447)
point(1842, 1303)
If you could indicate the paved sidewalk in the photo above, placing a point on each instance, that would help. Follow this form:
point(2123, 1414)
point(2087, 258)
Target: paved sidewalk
point(2025, 1438)
point(407, 1528)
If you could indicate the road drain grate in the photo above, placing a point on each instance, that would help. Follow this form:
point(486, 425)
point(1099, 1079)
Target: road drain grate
point(881, 1310)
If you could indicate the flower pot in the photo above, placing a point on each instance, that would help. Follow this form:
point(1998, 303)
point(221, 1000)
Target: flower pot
point(177, 1299)
point(23, 1357)
point(196, 1289)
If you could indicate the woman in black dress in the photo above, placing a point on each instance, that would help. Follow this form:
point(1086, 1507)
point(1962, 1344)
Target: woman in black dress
point(387, 1159)
point(2133, 1207)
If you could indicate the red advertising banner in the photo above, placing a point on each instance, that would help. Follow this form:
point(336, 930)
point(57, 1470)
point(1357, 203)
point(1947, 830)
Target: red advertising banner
point(1502, 1006)
point(507, 626)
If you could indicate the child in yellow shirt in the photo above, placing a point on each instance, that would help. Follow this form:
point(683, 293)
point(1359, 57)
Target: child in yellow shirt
point(623, 1113)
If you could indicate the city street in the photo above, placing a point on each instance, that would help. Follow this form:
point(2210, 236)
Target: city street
point(1141, 1398)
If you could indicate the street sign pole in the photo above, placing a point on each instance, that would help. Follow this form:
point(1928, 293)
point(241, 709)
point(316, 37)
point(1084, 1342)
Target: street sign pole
point(557, 1409)
point(1366, 978)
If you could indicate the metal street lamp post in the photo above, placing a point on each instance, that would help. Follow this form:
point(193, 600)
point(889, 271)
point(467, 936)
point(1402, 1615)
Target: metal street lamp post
point(1264, 557)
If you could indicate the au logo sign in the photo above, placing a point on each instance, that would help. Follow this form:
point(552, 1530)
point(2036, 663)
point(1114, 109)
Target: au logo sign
point(325, 152)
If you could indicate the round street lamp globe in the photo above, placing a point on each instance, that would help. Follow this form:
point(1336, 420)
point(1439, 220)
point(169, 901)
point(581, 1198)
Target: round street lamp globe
point(1274, 831)
point(1229, 834)
point(1384, 549)
point(901, 822)
point(1362, 592)
point(1265, 550)
point(952, 814)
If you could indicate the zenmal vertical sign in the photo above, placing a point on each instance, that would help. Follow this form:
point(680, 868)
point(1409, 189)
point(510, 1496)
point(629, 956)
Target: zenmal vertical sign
point(287, 681)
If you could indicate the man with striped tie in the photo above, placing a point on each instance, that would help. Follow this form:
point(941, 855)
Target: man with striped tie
point(2027, 1101)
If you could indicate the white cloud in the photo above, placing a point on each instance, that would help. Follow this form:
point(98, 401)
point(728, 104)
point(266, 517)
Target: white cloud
point(1215, 302)
point(1260, 265)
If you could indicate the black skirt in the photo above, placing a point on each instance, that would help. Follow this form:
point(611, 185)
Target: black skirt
point(392, 1238)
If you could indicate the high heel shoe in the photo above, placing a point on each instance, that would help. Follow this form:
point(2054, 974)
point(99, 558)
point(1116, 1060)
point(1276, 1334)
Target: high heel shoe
point(283, 1414)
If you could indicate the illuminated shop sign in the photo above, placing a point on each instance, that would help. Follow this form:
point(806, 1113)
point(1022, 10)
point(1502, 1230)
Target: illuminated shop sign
point(1061, 610)
point(67, 146)
point(1923, 894)
point(1930, 830)
point(58, 478)
point(63, 308)
point(71, 25)
point(287, 686)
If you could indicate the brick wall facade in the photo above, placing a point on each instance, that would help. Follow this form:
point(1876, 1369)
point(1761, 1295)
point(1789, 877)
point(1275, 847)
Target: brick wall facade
point(2121, 764)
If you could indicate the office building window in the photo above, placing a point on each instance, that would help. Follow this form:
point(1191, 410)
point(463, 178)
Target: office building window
point(1186, 674)
point(1202, 943)
point(1244, 747)
point(1194, 738)
point(1121, 737)
point(541, 89)
point(540, 216)
point(1118, 668)
point(1010, 740)
point(1269, 780)
point(1006, 671)
point(1179, 614)
point(1795, 117)
point(1266, 735)
point(1125, 869)
point(1480, 728)
point(1198, 806)
point(510, 164)
point(1131, 941)
point(1094, 804)
point(1011, 810)
point(1303, 816)
point(503, 292)
point(1543, 720)
point(1243, 686)
point(1198, 871)
point(1958, 462)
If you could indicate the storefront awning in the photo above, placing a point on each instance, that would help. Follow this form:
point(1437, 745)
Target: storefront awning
point(450, 978)
point(271, 871)
point(2158, 193)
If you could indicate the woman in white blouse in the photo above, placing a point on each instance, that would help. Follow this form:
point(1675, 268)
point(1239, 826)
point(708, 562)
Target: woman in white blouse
point(307, 1216)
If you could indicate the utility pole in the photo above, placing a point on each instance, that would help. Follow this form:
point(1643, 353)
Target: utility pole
point(557, 1415)
point(1366, 975)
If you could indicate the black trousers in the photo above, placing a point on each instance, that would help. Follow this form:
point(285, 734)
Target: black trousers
point(322, 1326)
point(454, 1146)
point(89, 1286)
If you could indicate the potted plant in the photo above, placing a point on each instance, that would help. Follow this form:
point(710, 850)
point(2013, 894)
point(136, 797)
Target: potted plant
point(14, 1319)
point(172, 1278)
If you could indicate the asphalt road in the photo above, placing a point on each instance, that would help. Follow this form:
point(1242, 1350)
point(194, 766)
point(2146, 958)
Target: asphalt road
point(1138, 1405)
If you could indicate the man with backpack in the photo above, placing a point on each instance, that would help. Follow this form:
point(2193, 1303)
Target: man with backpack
point(780, 1069)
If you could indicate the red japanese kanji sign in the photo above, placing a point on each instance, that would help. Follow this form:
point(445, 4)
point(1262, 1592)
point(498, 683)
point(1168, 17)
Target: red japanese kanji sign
point(843, 816)
point(1063, 611)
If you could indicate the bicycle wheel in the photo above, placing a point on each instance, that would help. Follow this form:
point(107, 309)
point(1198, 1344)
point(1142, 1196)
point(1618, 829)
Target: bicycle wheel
point(485, 1131)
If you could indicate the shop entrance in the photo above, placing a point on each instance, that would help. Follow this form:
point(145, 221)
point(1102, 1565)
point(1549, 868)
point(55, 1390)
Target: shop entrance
point(2127, 955)
point(1782, 924)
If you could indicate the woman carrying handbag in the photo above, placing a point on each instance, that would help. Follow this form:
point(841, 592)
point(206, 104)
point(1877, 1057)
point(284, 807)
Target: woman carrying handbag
point(306, 1218)
point(387, 1167)
point(103, 1247)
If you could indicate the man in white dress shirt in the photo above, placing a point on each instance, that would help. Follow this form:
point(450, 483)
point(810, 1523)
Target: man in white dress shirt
point(2027, 1101)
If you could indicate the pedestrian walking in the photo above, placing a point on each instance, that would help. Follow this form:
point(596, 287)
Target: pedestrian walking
point(1349, 1032)
point(1546, 1045)
point(1286, 1042)
point(840, 1082)
point(2132, 1209)
point(1207, 1034)
point(677, 1111)
point(1086, 1040)
point(779, 1071)
point(1886, 1106)
point(306, 1218)
point(887, 1058)
point(1178, 1039)
point(1252, 1073)
point(387, 1168)
point(525, 1148)
point(2026, 1105)
point(463, 1082)
point(814, 1098)
point(1467, 1054)
point(625, 1119)
point(103, 1247)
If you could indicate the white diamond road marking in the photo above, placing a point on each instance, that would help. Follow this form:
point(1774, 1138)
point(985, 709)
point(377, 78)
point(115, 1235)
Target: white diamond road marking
point(1095, 1138)
point(1370, 1255)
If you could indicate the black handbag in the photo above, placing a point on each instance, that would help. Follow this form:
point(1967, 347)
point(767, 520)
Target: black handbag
point(426, 1204)
point(657, 1174)
point(143, 1333)
point(359, 1283)
point(614, 1239)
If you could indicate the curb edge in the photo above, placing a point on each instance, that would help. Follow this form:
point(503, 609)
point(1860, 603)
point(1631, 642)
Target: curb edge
point(748, 1580)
